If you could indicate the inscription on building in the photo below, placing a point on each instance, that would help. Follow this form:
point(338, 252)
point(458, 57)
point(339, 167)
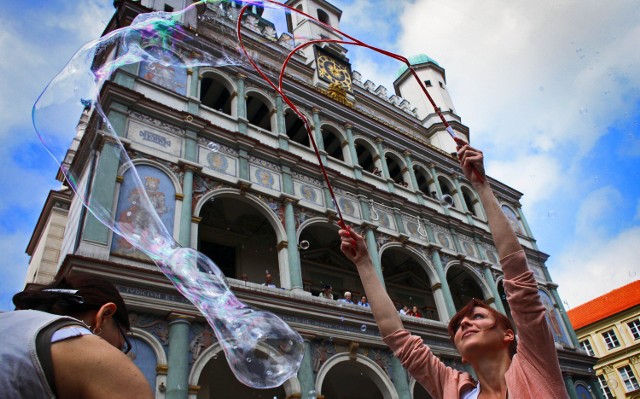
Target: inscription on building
point(154, 138)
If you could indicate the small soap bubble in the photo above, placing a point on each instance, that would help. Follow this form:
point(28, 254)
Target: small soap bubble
point(215, 356)
point(213, 147)
point(446, 201)
point(304, 245)
point(248, 360)
point(551, 214)
point(312, 395)
point(583, 111)
point(363, 328)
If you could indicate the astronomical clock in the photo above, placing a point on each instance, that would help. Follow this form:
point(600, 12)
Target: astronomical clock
point(333, 70)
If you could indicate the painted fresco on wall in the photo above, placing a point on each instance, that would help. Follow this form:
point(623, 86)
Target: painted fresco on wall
point(555, 322)
point(468, 248)
point(162, 195)
point(443, 240)
point(346, 206)
point(308, 193)
point(513, 219)
point(164, 73)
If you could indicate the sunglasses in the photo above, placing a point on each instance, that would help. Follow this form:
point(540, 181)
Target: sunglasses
point(126, 347)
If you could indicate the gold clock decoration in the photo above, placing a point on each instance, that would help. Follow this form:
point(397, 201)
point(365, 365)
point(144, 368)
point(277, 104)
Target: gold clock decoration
point(333, 71)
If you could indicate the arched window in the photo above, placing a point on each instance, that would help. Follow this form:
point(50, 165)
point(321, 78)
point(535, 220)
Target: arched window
point(446, 188)
point(258, 112)
point(323, 17)
point(332, 143)
point(215, 95)
point(395, 167)
point(470, 201)
point(424, 180)
point(365, 157)
point(295, 128)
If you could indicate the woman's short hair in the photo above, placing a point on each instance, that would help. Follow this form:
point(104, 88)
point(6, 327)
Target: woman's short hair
point(73, 295)
point(502, 321)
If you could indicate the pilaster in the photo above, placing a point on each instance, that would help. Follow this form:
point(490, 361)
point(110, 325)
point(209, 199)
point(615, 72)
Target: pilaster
point(178, 356)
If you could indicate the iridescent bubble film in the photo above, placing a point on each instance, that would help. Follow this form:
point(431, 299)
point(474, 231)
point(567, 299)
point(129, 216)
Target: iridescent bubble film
point(261, 349)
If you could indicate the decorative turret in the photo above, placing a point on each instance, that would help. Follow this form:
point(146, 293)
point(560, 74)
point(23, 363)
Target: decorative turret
point(434, 79)
point(307, 29)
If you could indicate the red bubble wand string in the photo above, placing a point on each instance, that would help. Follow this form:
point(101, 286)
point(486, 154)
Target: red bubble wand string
point(352, 41)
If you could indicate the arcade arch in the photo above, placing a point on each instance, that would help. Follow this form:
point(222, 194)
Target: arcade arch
point(464, 285)
point(408, 280)
point(344, 377)
point(259, 111)
point(240, 234)
point(332, 140)
point(295, 129)
point(322, 263)
point(212, 374)
point(367, 156)
point(216, 92)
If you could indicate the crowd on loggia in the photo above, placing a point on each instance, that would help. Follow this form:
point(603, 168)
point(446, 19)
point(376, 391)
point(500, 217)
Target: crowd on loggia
point(327, 293)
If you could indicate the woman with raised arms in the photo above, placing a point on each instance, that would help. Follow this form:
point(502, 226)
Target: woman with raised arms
point(485, 338)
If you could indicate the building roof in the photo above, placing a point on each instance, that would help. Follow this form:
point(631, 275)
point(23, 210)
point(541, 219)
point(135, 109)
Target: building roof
point(605, 306)
point(416, 60)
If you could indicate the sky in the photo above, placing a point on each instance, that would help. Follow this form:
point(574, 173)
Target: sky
point(550, 91)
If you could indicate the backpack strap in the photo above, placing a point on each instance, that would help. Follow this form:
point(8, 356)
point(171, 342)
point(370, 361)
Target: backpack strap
point(43, 348)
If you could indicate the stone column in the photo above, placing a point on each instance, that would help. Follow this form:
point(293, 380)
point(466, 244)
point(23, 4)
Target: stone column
point(372, 247)
point(488, 276)
point(571, 388)
point(446, 291)
point(189, 167)
point(281, 124)
point(241, 104)
point(357, 169)
point(437, 264)
point(385, 167)
point(400, 379)
point(412, 174)
point(295, 268)
point(305, 372)
point(178, 356)
point(317, 134)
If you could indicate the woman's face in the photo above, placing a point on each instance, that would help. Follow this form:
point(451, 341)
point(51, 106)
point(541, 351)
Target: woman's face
point(478, 333)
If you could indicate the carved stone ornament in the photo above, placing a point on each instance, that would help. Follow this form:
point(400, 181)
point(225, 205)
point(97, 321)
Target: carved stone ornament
point(338, 92)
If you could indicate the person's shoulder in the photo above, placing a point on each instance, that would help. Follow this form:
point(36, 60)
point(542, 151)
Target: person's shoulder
point(89, 364)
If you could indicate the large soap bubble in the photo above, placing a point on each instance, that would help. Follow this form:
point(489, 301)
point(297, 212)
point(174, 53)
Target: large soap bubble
point(261, 349)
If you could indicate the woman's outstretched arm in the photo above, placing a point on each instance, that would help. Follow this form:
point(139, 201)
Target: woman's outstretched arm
point(503, 235)
point(385, 313)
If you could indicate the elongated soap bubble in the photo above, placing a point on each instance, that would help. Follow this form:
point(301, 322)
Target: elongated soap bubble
point(261, 349)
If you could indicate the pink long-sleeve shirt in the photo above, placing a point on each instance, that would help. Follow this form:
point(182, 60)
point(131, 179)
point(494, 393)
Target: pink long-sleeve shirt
point(534, 371)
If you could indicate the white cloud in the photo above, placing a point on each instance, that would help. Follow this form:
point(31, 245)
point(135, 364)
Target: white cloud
point(587, 270)
point(539, 174)
point(521, 73)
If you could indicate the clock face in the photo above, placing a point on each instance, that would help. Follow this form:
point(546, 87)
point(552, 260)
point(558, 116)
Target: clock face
point(333, 71)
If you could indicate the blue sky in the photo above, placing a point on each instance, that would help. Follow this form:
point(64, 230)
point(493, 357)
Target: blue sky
point(550, 91)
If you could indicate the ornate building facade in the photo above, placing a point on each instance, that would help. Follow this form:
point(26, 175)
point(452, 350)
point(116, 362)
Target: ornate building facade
point(608, 328)
point(230, 171)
